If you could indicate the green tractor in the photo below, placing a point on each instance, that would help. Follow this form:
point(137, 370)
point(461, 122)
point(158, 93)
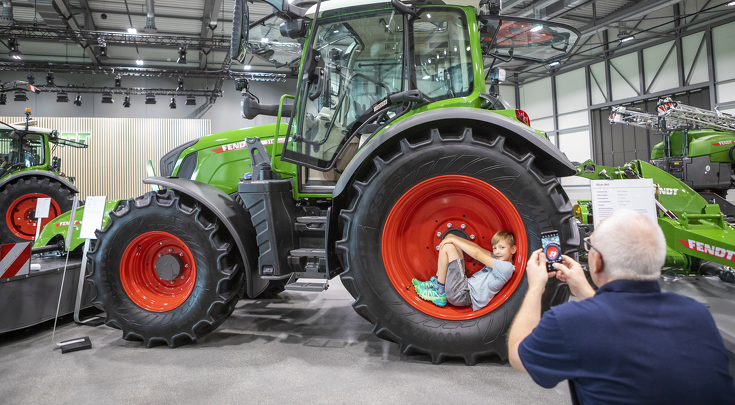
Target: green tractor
point(28, 172)
point(698, 147)
point(392, 143)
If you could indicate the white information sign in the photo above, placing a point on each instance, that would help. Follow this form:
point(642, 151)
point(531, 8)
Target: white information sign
point(42, 207)
point(94, 210)
point(633, 194)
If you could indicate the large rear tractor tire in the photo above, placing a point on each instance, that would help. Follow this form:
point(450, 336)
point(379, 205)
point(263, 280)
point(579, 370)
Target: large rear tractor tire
point(18, 206)
point(165, 270)
point(459, 180)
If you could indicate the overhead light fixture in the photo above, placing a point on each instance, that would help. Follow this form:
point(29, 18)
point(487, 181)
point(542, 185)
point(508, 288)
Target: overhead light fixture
point(139, 62)
point(191, 100)
point(554, 63)
point(247, 67)
point(3, 99)
point(182, 56)
point(62, 97)
point(31, 79)
point(118, 81)
point(537, 28)
point(13, 49)
point(78, 100)
point(172, 104)
point(150, 98)
point(50, 79)
point(730, 4)
point(107, 98)
point(103, 52)
point(132, 30)
point(181, 84)
point(126, 102)
point(20, 95)
point(628, 38)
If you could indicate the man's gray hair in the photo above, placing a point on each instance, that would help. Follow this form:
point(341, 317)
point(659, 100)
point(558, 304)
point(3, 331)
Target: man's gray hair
point(633, 247)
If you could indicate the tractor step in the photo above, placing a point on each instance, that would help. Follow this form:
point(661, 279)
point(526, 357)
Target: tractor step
point(312, 220)
point(308, 253)
point(306, 284)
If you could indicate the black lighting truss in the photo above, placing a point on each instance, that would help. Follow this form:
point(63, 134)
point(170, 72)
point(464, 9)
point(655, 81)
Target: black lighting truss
point(145, 72)
point(130, 91)
point(92, 37)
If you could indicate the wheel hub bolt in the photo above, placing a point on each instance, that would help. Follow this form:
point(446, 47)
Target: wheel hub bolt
point(186, 266)
point(439, 234)
point(449, 225)
point(160, 255)
point(182, 277)
point(181, 254)
point(463, 226)
point(160, 243)
point(170, 250)
point(172, 281)
point(437, 247)
point(472, 237)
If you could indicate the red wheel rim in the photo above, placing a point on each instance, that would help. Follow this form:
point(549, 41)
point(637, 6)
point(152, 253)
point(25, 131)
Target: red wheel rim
point(142, 281)
point(410, 236)
point(21, 215)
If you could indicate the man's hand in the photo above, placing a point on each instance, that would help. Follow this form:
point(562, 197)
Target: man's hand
point(536, 271)
point(571, 272)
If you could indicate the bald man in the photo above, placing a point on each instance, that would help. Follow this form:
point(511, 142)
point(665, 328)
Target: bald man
point(626, 343)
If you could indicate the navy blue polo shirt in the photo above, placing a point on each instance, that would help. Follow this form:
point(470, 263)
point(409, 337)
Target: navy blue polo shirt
point(631, 344)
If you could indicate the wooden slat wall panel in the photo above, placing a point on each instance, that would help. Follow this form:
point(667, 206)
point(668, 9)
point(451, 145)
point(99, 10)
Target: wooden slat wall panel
point(114, 163)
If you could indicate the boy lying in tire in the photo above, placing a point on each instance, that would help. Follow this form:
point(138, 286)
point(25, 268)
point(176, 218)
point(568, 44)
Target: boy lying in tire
point(450, 283)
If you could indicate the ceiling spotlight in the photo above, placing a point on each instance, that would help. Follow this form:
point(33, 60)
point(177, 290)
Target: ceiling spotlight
point(191, 100)
point(14, 51)
point(3, 99)
point(50, 79)
point(181, 84)
point(31, 79)
point(78, 100)
point(139, 62)
point(62, 97)
point(172, 104)
point(103, 16)
point(182, 56)
point(150, 98)
point(126, 102)
point(554, 63)
point(103, 52)
point(107, 98)
point(247, 67)
point(20, 95)
point(731, 3)
point(132, 30)
point(628, 38)
point(118, 81)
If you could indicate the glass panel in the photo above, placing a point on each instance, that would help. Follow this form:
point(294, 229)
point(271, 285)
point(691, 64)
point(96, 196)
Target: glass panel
point(265, 41)
point(28, 152)
point(527, 39)
point(362, 62)
point(442, 55)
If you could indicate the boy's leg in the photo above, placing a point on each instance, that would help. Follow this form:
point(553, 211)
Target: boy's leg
point(447, 255)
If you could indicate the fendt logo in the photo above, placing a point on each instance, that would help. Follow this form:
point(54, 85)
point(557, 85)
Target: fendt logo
point(713, 250)
point(723, 143)
point(241, 145)
point(669, 191)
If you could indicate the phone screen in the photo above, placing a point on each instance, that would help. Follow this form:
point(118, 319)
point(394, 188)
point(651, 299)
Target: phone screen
point(551, 245)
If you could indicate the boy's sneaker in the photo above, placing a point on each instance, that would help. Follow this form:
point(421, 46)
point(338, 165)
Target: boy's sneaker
point(430, 283)
point(430, 294)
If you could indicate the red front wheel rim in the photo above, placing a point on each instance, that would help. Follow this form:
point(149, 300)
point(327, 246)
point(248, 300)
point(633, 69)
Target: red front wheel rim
point(21, 215)
point(417, 222)
point(158, 271)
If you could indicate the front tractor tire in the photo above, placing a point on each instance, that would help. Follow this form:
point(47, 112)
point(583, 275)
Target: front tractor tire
point(464, 181)
point(18, 206)
point(165, 270)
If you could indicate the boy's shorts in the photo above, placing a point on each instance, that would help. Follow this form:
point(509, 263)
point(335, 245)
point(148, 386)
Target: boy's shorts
point(457, 288)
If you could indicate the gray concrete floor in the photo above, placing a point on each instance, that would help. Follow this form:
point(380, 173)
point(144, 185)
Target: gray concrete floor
point(298, 348)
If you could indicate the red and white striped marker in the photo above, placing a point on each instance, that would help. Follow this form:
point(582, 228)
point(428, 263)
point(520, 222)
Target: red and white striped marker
point(15, 259)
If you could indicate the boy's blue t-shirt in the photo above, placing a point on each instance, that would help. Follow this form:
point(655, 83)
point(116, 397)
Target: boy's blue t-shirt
point(489, 281)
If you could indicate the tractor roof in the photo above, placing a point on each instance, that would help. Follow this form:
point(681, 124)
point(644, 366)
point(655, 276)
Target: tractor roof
point(329, 5)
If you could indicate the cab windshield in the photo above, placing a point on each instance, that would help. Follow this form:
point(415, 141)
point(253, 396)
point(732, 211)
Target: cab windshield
point(27, 152)
point(361, 61)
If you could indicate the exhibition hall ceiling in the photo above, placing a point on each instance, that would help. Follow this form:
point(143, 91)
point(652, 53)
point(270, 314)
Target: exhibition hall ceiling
point(603, 24)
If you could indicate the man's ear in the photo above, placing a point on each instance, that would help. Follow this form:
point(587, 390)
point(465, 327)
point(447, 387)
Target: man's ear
point(597, 259)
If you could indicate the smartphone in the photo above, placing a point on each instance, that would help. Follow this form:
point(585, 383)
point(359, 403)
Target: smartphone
point(552, 248)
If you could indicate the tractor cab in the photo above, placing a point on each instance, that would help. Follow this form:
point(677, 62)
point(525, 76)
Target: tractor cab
point(19, 149)
point(369, 67)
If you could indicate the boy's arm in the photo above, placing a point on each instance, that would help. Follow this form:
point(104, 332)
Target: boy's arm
point(472, 249)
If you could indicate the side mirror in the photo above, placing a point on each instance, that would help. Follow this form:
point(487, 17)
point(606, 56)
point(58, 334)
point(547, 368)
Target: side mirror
point(251, 108)
point(240, 31)
point(294, 28)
